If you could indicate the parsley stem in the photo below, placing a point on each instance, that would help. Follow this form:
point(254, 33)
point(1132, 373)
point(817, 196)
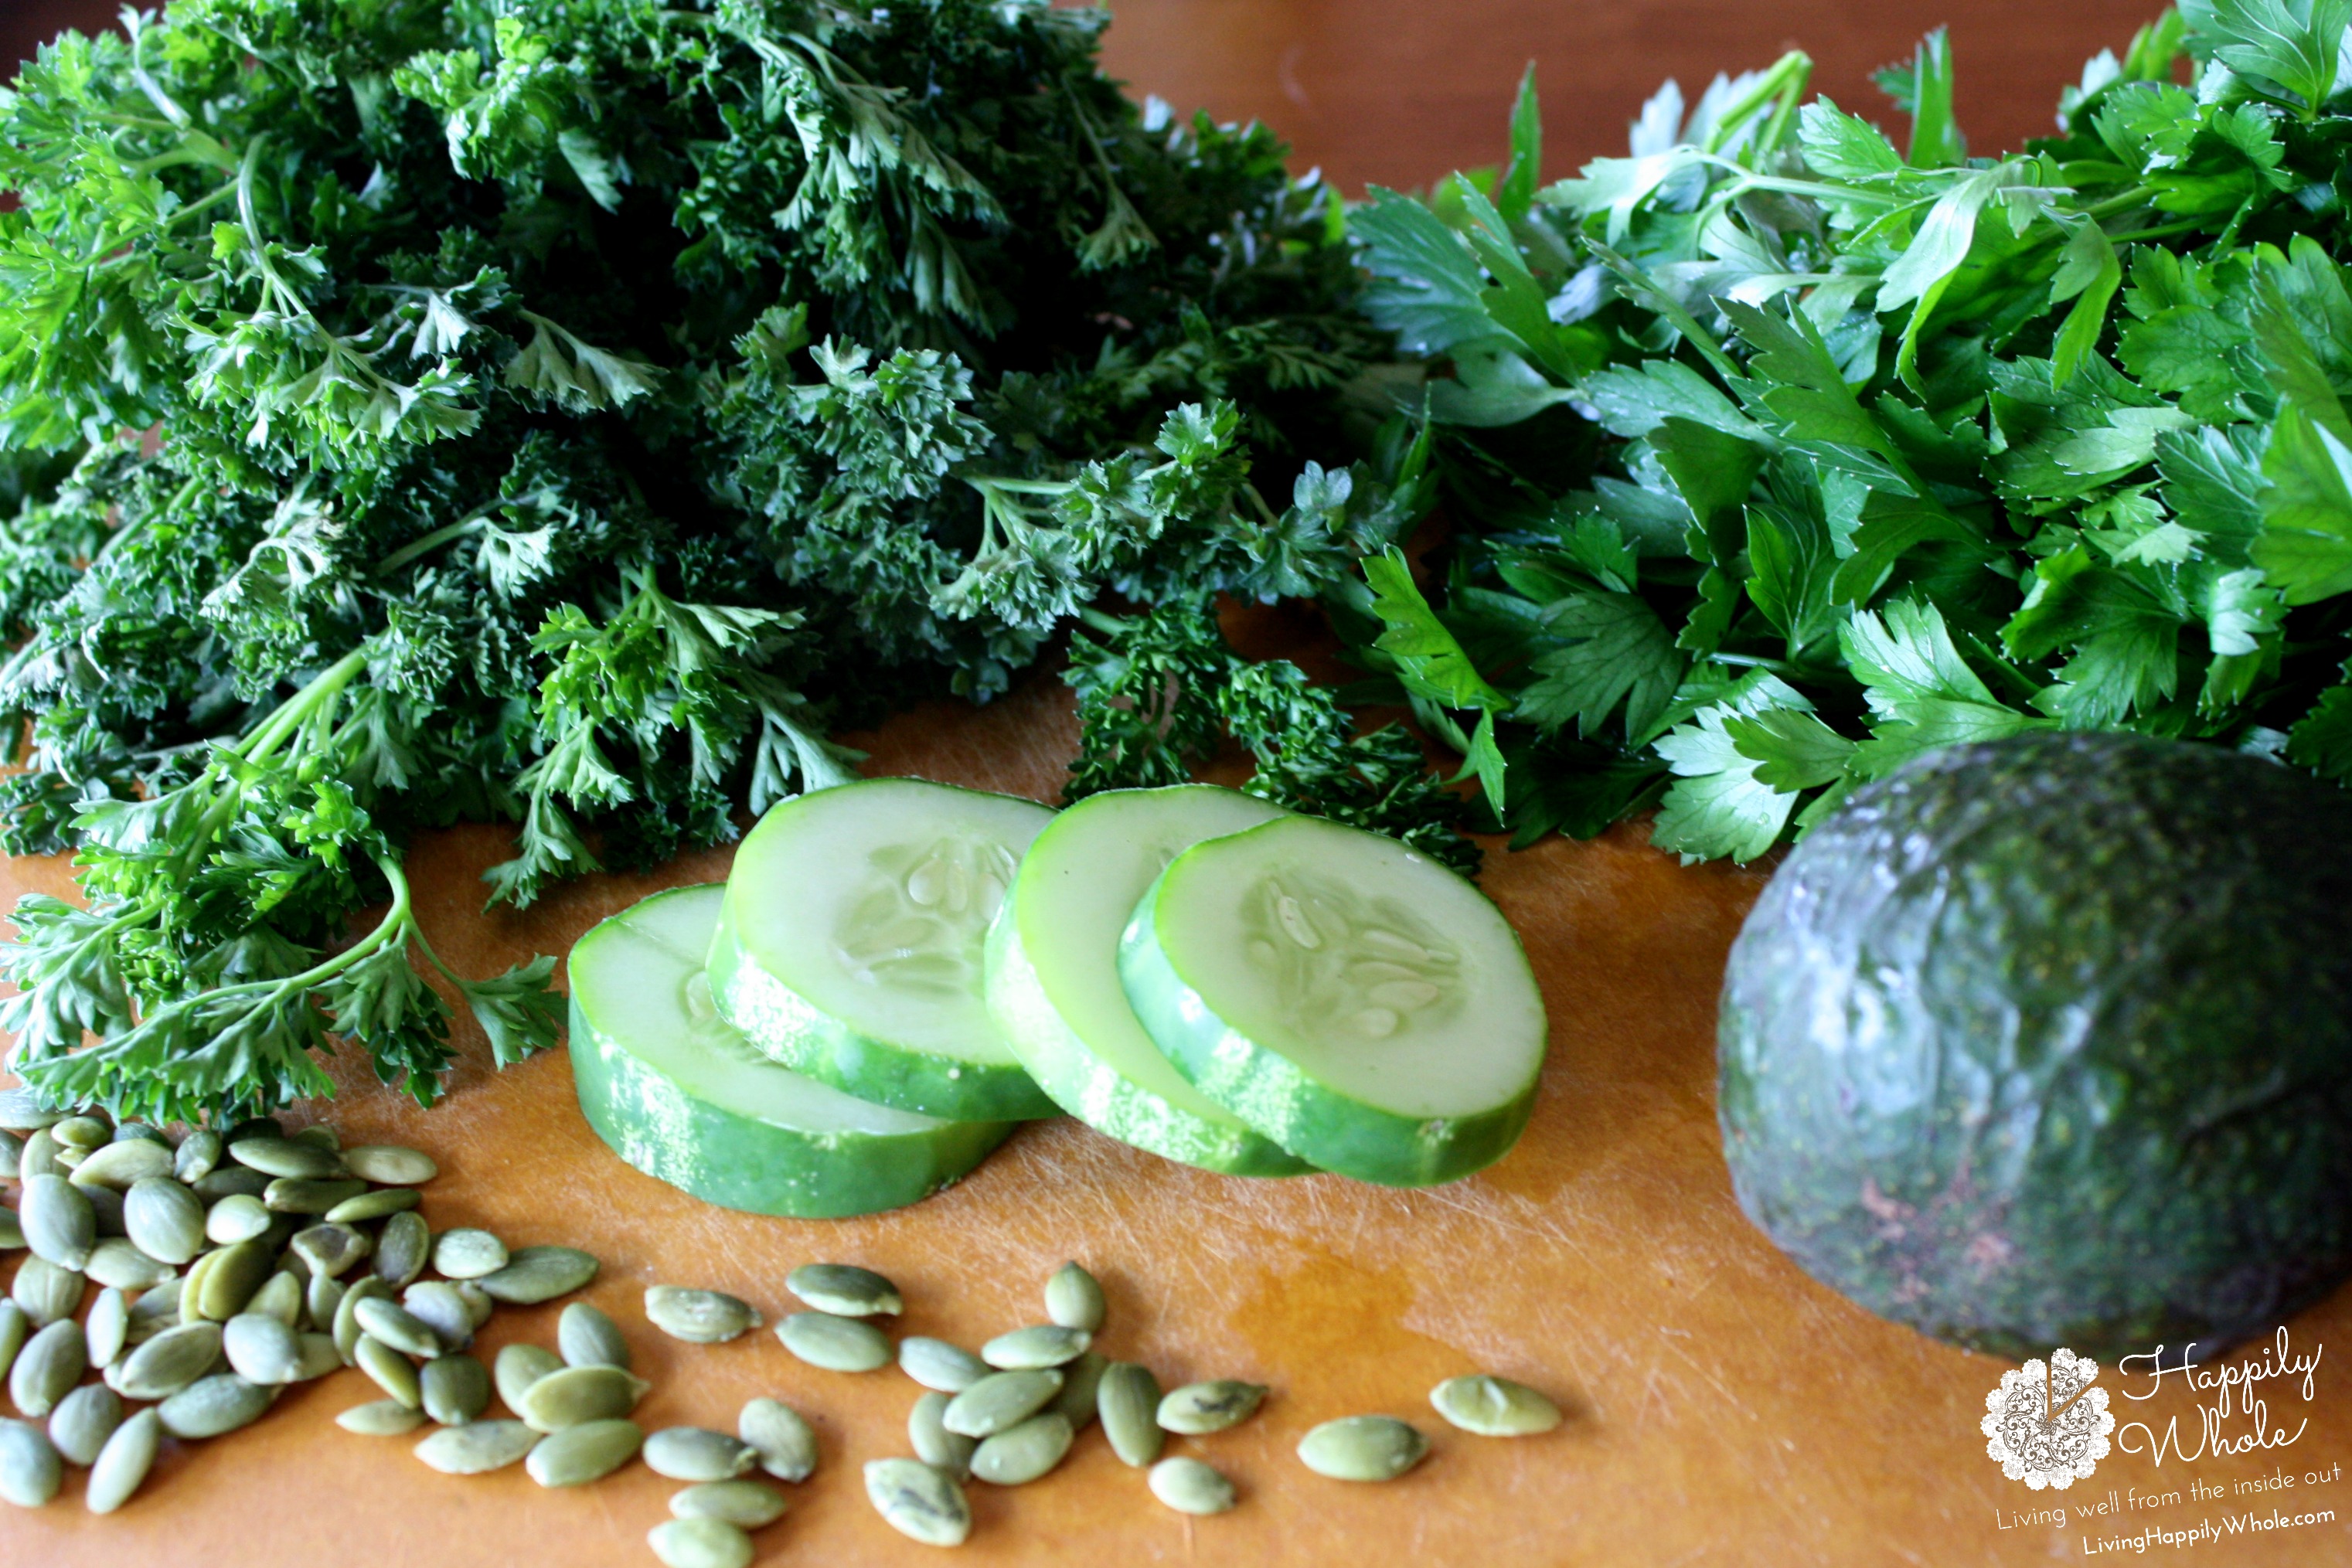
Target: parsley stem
point(469, 524)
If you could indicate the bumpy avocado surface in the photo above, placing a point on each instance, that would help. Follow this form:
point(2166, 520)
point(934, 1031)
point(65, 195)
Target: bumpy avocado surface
point(2048, 1041)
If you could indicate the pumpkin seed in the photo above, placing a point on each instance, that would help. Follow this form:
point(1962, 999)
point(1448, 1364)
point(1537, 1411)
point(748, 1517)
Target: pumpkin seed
point(301, 1194)
point(122, 1465)
point(844, 1291)
point(155, 1311)
point(1020, 1454)
point(700, 1543)
point(115, 1261)
point(39, 1157)
point(700, 1317)
point(147, 1130)
point(518, 1367)
point(261, 1349)
point(107, 1328)
point(83, 1421)
point(1073, 1298)
point(1188, 1486)
point(12, 1232)
point(1362, 1449)
point(390, 1165)
point(123, 1166)
point(476, 1448)
point(478, 1302)
point(319, 1357)
point(836, 1345)
point(578, 1455)
point(48, 1366)
point(15, 1329)
point(30, 1472)
point(106, 1209)
point(402, 1248)
point(45, 1291)
point(198, 1154)
point(164, 1220)
point(59, 1223)
point(917, 1501)
point(381, 1419)
point(935, 1363)
point(1036, 1347)
point(322, 1297)
point(999, 1401)
point(81, 1132)
point(698, 1454)
point(319, 1136)
point(1081, 1390)
point(170, 1362)
point(398, 1327)
point(782, 1436)
point(469, 1254)
point(222, 1282)
point(67, 1160)
point(535, 1274)
point(949, 1453)
point(1201, 1407)
point(21, 1112)
point(12, 1153)
point(1493, 1406)
point(390, 1370)
point(213, 1406)
point(229, 1181)
point(456, 1390)
point(329, 1249)
point(240, 1217)
point(436, 1304)
point(586, 1337)
point(578, 1395)
point(347, 1330)
point(255, 1127)
point(286, 1158)
point(747, 1505)
point(382, 1201)
point(1129, 1401)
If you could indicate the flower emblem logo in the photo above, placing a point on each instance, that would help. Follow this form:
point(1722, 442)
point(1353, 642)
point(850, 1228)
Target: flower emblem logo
point(2047, 1424)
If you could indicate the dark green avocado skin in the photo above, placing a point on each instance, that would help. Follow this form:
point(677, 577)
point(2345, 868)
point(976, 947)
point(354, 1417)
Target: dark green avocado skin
point(2048, 1041)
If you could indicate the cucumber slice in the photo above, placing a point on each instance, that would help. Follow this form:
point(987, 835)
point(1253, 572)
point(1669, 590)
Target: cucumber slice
point(1053, 975)
point(1356, 1002)
point(684, 1098)
point(850, 946)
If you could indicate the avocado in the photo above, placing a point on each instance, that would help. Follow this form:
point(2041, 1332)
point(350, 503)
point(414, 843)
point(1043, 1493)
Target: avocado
point(2048, 1041)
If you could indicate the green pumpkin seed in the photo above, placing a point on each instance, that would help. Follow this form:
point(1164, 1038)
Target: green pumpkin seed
point(578, 1395)
point(30, 1470)
point(122, 1465)
point(478, 1302)
point(747, 1505)
point(329, 1249)
point(937, 1365)
point(15, 1328)
point(229, 1181)
point(321, 1298)
point(949, 1453)
point(917, 1501)
point(59, 1223)
point(115, 1261)
point(255, 1127)
point(700, 1317)
point(377, 1205)
point(436, 1304)
point(1493, 1406)
point(46, 1292)
point(1198, 1408)
point(836, 1345)
point(146, 1130)
point(81, 1132)
point(170, 1362)
point(21, 1110)
point(469, 1254)
point(700, 1543)
point(39, 1157)
point(48, 1366)
point(240, 1217)
point(782, 1436)
point(1073, 1298)
point(222, 1282)
point(456, 1390)
point(698, 1454)
point(197, 1156)
point(476, 1448)
point(1188, 1486)
point(123, 1166)
point(107, 1328)
point(1129, 1401)
point(320, 1357)
point(164, 1220)
point(588, 1338)
point(999, 1401)
point(212, 1406)
point(261, 1349)
point(389, 1165)
point(1036, 1347)
point(1020, 1454)
point(12, 1232)
point(347, 1330)
point(155, 1311)
point(106, 1209)
point(398, 1327)
point(83, 1421)
point(299, 1194)
point(280, 1296)
point(589, 1451)
point(319, 1136)
point(402, 1249)
point(382, 1419)
point(1081, 1390)
point(518, 1367)
point(284, 1157)
point(1362, 1449)
point(12, 1153)
point(535, 1274)
point(844, 1291)
point(390, 1370)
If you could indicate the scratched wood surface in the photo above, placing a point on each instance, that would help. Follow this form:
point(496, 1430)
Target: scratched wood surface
point(1723, 1407)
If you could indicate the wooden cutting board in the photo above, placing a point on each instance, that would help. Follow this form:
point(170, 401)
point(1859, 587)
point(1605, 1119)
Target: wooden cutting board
point(1723, 1408)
